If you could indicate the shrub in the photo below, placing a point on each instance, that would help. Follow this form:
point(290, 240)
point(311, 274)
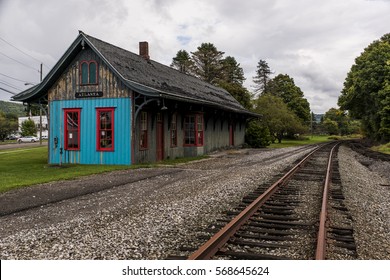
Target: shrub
point(256, 135)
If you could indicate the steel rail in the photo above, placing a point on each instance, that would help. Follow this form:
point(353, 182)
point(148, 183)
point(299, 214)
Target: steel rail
point(217, 241)
point(321, 236)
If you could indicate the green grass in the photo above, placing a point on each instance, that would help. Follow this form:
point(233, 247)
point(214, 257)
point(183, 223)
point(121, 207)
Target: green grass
point(382, 148)
point(307, 140)
point(28, 166)
point(23, 167)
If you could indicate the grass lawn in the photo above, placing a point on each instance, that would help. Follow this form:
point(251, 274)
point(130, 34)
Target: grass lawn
point(306, 141)
point(28, 166)
point(382, 148)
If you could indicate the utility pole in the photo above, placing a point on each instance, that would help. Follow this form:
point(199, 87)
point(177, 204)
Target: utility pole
point(40, 113)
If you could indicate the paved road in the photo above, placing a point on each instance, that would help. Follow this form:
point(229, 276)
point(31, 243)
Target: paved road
point(22, 145)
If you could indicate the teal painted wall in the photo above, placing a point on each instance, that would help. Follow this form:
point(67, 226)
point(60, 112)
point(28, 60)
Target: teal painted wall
point(88, 153)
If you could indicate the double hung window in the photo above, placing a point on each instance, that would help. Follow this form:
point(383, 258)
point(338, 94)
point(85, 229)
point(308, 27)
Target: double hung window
point(105, 129)
point(193, 130)
point(72, 129)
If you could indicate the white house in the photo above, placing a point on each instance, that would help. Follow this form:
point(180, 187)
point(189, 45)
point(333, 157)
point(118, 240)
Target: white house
point(45, 131)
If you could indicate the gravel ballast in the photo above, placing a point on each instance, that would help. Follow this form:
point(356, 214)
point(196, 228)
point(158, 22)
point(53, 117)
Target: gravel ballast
point(151, 218)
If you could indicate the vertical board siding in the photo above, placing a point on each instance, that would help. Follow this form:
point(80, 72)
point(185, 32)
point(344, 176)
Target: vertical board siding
point(88, 153)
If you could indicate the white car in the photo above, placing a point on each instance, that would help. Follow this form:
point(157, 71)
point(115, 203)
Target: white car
point(28, 139)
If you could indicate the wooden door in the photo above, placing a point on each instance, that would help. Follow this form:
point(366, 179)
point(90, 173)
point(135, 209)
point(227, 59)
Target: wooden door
point(160, 137)
point(231, 134)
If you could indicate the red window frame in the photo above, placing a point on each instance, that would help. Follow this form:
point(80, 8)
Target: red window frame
point(87, 80)
point(72, 120)
point(143, 131)
point(105, 129)
point(174, 130)
point(193, 130)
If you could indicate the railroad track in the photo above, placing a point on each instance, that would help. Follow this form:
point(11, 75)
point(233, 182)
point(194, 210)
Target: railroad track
point(300, 216)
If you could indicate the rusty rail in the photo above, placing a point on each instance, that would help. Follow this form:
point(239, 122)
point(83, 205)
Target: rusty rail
point(321, 237)
point(217, 241)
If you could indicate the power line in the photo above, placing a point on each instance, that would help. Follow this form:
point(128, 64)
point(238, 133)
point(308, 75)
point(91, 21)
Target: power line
point(19, 50)
point(23, 52)
point(20, 62)
point(13, 93)
point(26, 82)
point(9, 85)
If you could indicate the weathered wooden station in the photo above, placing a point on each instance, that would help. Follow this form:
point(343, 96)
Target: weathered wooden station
point(107, 105)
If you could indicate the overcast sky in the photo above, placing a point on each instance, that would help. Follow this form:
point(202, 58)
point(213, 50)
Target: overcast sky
point(315, 42)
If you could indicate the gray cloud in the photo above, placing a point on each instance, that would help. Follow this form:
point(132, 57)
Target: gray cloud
point(314, 42)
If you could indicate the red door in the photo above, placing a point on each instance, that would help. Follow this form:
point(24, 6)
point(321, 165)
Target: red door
point(231, 134)
point(160, 138)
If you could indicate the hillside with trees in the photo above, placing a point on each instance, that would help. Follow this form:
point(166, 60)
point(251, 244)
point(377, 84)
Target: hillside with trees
point(12, 108)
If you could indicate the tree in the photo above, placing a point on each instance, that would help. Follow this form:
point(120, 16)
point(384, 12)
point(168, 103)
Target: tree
point(207, 64)
point(8, 124)
point(366, 92)
point(182, 61)
point(240, 93)
point(232, 72)
point(279, 119)
point(337, 122)
point(28, 128)
point(284, 87)
point(232, 79)
point(262, 77)
point(331, 127)
point(257, 135)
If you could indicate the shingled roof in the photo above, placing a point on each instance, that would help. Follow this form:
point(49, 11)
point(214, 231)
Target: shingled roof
point(141, 75)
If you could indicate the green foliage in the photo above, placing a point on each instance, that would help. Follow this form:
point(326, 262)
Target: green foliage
point(12, 108)
point(28, 128)
point(232, 72)
point(257, 135)
point(207, 63)
point(182, 61)
point(262, 78)
point(331, 127)
point(385, 148)
point(240, 93)
point(339, 122)
point(284, 87)
point(279, 119)
point(8, 124)
point(366, 92)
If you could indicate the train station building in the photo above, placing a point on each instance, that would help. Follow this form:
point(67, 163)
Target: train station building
point(107, 105)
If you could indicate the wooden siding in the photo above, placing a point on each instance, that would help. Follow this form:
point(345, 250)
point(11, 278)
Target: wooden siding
point(216, 136)
point(69, 82)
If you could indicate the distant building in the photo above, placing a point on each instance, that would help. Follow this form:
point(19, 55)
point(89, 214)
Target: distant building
point(45, 127)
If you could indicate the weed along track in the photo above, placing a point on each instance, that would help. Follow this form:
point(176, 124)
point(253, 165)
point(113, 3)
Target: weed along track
point(288, 220)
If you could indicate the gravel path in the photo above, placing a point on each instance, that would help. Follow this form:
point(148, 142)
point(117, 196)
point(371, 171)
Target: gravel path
point(152, 217)
point(366, 186)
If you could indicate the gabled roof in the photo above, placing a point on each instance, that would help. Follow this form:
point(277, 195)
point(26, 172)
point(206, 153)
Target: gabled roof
point(141, 75)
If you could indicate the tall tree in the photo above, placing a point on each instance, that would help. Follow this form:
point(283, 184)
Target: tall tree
point(263, 76)
point(232, 79)
point(284, 87)
point(232, 72)
point(207, 64)
point(182, 61)
point(366, 92)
